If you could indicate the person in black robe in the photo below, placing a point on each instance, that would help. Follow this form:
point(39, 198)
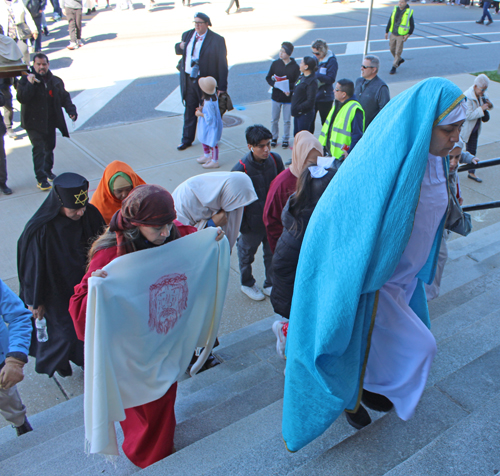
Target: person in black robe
point(51, 260)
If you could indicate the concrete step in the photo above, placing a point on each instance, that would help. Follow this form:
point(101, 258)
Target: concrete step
point(389, 441)
point(465, 346)
point(466, 268)
point(49, 423)
point(464, 245)
point(471, 447)
point(464, 293)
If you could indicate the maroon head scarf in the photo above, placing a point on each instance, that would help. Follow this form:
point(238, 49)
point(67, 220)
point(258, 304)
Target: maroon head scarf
point(146, 205)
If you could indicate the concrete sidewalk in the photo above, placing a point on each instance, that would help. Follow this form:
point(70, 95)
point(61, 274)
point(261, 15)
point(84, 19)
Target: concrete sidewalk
point(150, 148)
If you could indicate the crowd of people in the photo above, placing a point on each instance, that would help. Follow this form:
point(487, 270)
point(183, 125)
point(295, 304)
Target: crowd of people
point(321, 224)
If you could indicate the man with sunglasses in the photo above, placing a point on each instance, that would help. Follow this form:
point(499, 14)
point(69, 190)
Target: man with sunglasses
point(203, 54)
point(370, 91)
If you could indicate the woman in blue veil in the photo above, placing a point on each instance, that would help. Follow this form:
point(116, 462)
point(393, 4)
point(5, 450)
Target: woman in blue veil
point(359, 315)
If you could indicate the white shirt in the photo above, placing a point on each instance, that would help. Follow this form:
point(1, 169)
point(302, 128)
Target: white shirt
point(196, 53)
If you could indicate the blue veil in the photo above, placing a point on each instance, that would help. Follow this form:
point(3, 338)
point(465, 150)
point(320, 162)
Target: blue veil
point(352, 246)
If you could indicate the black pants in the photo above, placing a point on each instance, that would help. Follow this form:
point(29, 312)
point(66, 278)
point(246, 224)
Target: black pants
point(193, 97)
point(74, 16)
point(38, 41)
point(304, 122)
point(471, 146)
point(323, 108)
point(3, 163)
point(43, 152)
point(248, 244)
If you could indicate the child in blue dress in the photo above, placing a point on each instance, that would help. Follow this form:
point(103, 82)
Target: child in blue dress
point(209, 123)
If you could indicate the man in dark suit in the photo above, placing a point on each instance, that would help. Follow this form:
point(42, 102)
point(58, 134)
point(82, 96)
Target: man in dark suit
point(203, 54)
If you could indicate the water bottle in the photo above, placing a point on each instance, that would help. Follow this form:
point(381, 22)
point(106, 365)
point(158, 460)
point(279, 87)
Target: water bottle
point(41, 330)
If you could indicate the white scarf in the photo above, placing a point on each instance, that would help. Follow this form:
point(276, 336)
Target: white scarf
point(199, 198)
point(144, 321)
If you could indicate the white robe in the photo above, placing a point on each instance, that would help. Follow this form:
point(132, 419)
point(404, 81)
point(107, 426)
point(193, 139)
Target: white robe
point(402, 347)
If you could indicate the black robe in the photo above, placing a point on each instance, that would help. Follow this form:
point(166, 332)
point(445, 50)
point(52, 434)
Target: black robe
point(52, 256)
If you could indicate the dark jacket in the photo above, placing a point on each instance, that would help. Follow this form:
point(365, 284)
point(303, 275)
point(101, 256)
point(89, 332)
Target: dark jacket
point(373, 98)
point(3, 129)
point(279, 68)
point(212, 61)
point(326, 80)
point(35, 7)
point(286, 253)
point(304, 95)
point(35, 105)
point(261, 174)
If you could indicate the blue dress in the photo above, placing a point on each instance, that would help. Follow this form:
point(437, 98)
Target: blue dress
point(210, 126)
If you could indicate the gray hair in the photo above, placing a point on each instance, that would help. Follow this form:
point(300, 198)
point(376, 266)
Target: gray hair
point(374, 61)
point(321, 46)
point(482, 81)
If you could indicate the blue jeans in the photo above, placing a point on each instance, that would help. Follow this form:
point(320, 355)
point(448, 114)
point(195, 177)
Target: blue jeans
point(486, 13)
point(304, 122)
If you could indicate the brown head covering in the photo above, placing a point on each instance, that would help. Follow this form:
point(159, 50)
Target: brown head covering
point(103, 197)
point(303, 143)
point(146, 205)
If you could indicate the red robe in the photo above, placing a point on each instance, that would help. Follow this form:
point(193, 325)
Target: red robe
point(148, 429)
point(280, 190)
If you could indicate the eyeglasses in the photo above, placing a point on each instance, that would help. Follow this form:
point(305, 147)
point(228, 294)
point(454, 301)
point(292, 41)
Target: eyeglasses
point(366, 67)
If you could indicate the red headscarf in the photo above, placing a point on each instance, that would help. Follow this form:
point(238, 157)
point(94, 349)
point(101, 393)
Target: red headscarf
point(146, 205)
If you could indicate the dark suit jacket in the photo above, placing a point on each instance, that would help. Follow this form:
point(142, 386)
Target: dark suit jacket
point(213, 59)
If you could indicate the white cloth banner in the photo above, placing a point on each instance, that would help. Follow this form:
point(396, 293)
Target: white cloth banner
point(144, 321)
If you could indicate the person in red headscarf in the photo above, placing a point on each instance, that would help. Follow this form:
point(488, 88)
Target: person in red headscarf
point(146, 219)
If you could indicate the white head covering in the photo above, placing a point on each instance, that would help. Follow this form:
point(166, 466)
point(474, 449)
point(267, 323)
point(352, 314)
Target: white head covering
point(200, 197)
point(457, 114)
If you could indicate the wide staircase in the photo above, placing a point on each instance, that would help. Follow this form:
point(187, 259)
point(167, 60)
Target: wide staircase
point(229, 418)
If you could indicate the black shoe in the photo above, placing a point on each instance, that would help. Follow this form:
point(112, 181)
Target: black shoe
point(473, 177)
point(45, 31)
point(5, 190)
point(285, 144)
point(51, 176)
point(376, 402)
point(24, 428)
point(393, 70)
point(401, 61)
point(274, 143)
point(89, 12)
point(489, 22)
point(44, 185)
point(481, 22)
point(358, 420)
point(183, 146)
point(65, 373)
point(93, 10)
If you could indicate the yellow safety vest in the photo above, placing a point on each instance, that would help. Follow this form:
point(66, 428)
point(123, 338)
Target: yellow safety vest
point(341, 128)
point(404, 27)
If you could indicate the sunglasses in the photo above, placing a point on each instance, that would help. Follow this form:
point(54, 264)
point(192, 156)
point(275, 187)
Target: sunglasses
point(366, 67)
point(199, 22)
point(316, 54)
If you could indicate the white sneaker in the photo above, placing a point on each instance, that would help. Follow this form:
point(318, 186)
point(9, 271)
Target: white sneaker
point(253, 292)
point(211, 164)
point(203, 159)
point(280, 329)
point(267, 291)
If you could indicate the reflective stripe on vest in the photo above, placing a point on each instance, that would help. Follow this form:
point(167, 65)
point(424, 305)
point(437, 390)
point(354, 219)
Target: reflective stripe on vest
point(341, 129)
point(404, 26)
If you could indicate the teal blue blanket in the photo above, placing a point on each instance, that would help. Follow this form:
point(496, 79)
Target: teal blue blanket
point(352, 245)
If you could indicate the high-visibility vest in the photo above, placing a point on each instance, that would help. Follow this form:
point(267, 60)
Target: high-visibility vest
point(340, 137)
point(404, 26)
